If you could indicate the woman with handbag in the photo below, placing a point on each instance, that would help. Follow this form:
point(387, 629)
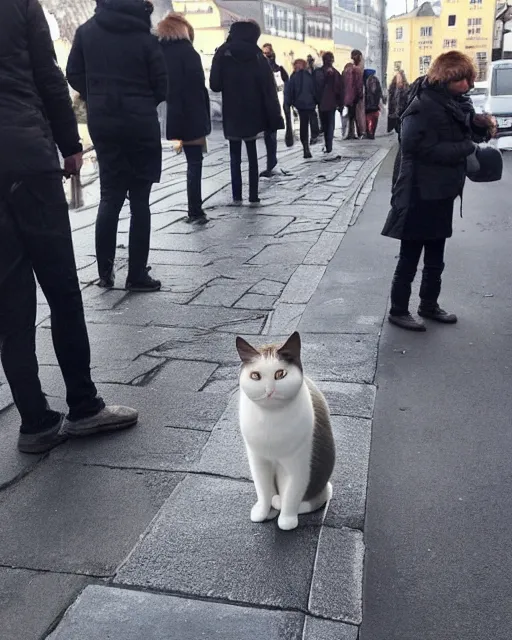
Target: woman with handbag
point(188, 104)
point(437, 133)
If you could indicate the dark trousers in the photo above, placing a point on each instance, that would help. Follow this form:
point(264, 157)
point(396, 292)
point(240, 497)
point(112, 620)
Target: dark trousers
point(271, 146)
point(372, 120)
point(327, 119)
point(235, 152)
point(194, 155)
point(410, 253)
point(305, 118)
point(113, 195)
point(315, 127)
point(35, 236)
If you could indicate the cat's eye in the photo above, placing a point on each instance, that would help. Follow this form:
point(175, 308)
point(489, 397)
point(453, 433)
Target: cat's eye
point(280, 374)
point(255, 376)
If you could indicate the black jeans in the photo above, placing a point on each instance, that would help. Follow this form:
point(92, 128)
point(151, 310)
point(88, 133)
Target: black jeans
point(271, 146)
point(35, 236)
point(327, 119)
point(113, 195)
point(235, 152)
point(194, 155)
point(410, 253)
point(305, 119)
point(315, 127)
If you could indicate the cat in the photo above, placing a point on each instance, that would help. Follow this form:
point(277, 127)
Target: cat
point(285, 423)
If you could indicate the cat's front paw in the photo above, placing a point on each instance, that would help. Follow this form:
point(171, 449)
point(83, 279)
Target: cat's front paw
point(260, 512)
point(287, 523)
point(276, 502)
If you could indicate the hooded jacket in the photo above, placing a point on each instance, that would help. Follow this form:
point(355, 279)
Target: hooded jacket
point(373, 91)
point(243, 75)
point(328, 88)
point(299, 91)
point(117, 67)
point(35, 106)
point(188, 103)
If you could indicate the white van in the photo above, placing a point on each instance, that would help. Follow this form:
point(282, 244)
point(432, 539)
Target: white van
point(499, 99)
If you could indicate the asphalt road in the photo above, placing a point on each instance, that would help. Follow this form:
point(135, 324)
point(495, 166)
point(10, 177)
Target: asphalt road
point(439, 512)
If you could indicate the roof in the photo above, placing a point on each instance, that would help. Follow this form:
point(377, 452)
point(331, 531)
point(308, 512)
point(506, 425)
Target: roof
point(233, 10)
point(425, 10)
point(70, 14)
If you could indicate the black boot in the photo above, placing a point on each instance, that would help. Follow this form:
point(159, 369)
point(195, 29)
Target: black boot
point(434, 312)
point(144, 283)
point(407, 321)
point(307, 151)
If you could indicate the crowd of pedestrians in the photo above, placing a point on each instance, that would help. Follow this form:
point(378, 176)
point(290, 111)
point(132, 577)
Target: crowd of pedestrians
point(123, 71)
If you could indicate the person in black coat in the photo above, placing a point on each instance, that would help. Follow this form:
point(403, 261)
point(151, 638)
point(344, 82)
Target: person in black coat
point(436, 139)
point(250, 104)
point(271, 136)
point(300, 93)
point(36, 117)
point(188, 104)
point(117, 67)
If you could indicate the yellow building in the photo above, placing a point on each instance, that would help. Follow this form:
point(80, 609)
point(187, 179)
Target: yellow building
point(418, 37)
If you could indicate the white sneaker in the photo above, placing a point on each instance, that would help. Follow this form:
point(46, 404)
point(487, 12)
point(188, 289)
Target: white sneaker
point(329, 156)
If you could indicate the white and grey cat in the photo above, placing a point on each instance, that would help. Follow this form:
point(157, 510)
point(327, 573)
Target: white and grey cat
point(285, 422)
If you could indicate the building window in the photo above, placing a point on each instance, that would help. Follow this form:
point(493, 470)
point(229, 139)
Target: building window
point(452, 20)
point(300, 26)
point(424, 64)
point(399, 33)
point(425, 32)
point(481, 65)
point(281, 20)
point(270, 20)
point(397, 66)
point(291, 23)
point(449, 44)
point(475, 2)
point(474, 26)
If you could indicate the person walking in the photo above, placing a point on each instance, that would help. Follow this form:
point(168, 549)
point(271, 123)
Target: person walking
point(437, 133)
point(188, 104)
point(397, 100)
point(35, 235)
point(281, 77)
point(117, 67)
point(250, 104)
point(329, 96)
point(312, 66)
point(300, 94)
point(373, 97)
point(360, 109)
point(353, 94)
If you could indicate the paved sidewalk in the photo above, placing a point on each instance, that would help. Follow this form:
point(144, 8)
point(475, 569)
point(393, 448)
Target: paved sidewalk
point(163, 510)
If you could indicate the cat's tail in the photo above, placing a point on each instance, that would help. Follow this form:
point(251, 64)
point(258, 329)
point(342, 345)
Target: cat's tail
point(310, 505)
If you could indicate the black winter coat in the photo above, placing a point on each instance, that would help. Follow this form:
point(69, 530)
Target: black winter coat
point(188, 103)
point(299, 91)
point(243, 75)
point(117, 66)
point(35, 106)
point(436, 139)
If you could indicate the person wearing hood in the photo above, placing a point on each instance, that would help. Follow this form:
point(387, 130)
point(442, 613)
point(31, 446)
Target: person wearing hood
point(282, 78)
point(250, 104)
point(117, 67)
point(36, 119)
point(188, 104)
point(329, 92)
point(436, 138)
point(372, 97)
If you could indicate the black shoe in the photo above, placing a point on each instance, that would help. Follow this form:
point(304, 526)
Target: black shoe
point(437, 314)
point(107, 282)
point(146, 284)
point(407, 322)
point(199, 220)
point(44, 441)
point(268, 173)
point(313, 141)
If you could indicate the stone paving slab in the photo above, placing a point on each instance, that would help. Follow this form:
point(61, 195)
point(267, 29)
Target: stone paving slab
point(336, 590)
point(119, 614)
point(316, 629)
point(113, 506)
point(30, 601)
point(186, 549)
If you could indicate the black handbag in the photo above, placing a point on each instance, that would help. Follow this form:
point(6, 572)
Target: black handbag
point(485, 165)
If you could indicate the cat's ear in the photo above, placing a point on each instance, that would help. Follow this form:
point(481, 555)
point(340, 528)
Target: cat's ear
point(290, 351)
point(245, 351)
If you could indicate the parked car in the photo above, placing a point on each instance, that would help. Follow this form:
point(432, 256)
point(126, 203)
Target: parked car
point(499, 100)
point(478, 95)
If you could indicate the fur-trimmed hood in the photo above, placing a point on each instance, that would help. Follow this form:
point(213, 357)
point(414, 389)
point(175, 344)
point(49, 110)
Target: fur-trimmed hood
point(175, 27)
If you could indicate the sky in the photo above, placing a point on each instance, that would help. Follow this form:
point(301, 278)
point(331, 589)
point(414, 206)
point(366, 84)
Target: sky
point(395, 7)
